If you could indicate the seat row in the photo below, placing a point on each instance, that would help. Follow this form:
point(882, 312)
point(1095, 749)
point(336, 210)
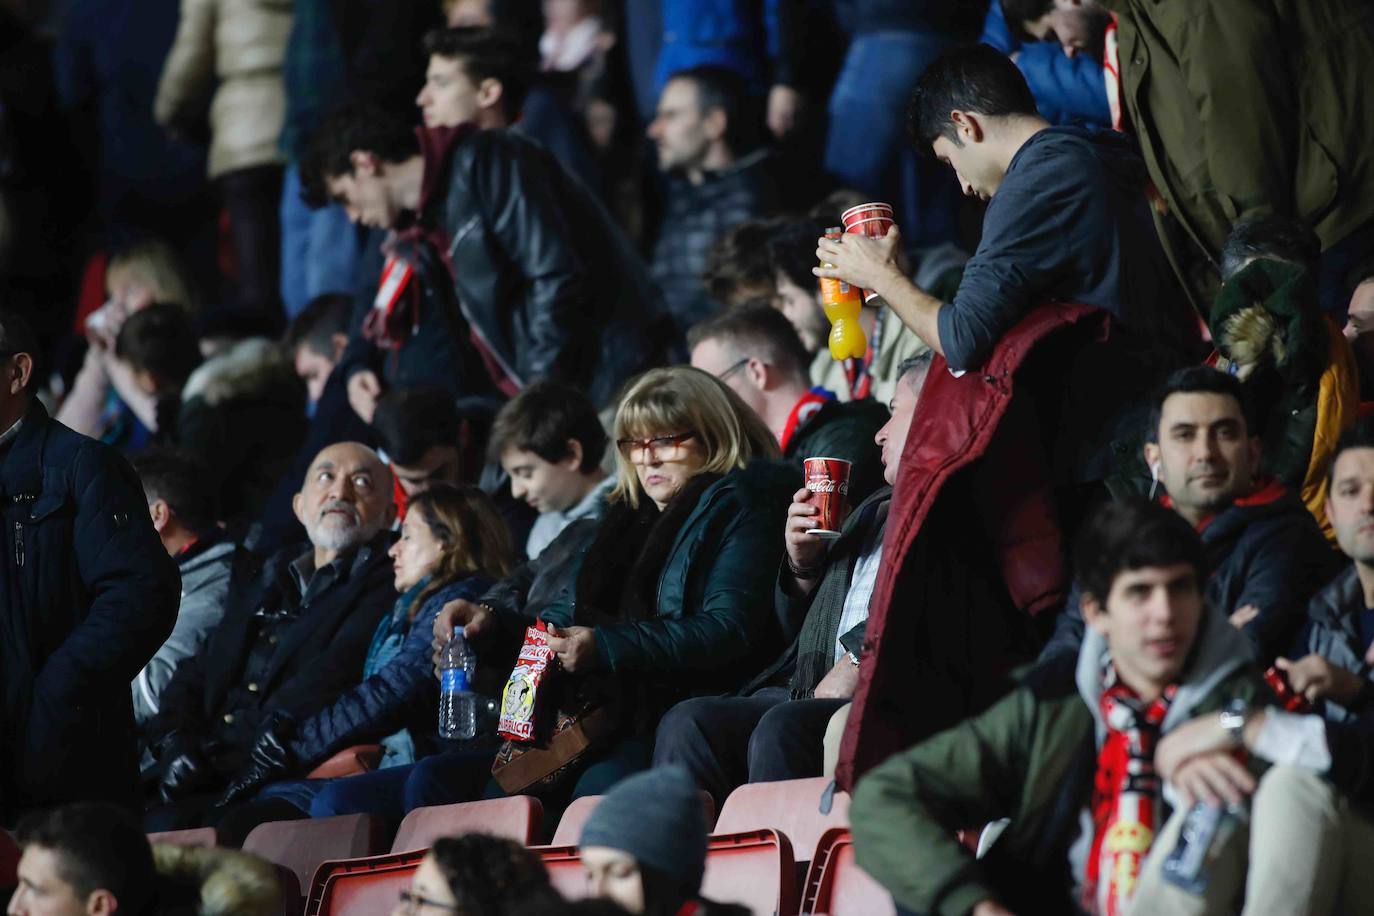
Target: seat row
point(772, 849)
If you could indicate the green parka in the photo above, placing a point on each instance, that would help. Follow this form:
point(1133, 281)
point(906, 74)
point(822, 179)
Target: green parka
point(1030, 758)
point(1246, 108)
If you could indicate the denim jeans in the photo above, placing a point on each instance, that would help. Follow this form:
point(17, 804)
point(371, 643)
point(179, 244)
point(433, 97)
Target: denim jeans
point(319, 248)
point(868, 147)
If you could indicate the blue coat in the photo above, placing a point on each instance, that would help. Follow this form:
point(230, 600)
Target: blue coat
point(87, 595)
point(401, 695)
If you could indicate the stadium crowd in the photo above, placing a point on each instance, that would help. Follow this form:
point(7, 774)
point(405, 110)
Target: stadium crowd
point(331, 331)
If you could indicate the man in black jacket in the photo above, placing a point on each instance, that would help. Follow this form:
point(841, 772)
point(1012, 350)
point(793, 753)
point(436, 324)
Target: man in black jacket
point(773, 728)
point(87, 595)
point(755, 350)
point(1265, 553)
point(293, 637)
point(547, 285)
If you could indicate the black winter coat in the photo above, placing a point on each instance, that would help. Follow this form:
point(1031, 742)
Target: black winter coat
point(87, 595)
point(544, 276)
point(403, 694)
point(318, 656)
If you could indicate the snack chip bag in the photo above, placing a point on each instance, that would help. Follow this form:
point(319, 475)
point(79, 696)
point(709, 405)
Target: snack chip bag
point(518, 699)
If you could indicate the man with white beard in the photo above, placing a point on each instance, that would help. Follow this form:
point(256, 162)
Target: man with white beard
point(293, 637)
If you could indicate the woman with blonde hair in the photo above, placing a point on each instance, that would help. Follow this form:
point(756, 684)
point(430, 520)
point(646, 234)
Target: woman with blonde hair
point(105, 402)
point(672, 595)
point(453, 545)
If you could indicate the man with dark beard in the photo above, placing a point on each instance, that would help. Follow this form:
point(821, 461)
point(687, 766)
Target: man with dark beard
point(293, 637)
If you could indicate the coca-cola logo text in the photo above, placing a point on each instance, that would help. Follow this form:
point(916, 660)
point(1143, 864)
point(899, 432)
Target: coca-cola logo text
point(826, 485)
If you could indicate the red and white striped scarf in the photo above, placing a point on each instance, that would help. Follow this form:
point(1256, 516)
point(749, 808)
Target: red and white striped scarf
point(1126, 802)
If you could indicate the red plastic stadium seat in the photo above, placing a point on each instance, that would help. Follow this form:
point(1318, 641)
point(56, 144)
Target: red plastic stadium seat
point(753, 869)
point(362, 887)
point(574, 818)
point(302, 845)
point(791, 807)
point(564, 865)
point(520, 818)
point(836, 885)
point(195, 836)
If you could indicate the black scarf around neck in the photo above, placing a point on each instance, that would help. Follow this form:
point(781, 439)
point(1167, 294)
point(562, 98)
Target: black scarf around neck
point(623, 565)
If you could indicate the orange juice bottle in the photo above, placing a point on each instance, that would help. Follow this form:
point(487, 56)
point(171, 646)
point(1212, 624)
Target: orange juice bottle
point(842, 303)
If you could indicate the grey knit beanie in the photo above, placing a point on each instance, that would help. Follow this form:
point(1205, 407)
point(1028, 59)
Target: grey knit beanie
point(657, 817)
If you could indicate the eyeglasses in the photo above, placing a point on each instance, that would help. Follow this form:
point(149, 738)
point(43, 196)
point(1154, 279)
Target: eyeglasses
point(733, 369)
point(660, 448)
point(412, 902)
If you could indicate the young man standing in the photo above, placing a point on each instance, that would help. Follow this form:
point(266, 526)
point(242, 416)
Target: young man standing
point(550, 442)
point(546, 285)
point(1068, 756)
point(1067, 219)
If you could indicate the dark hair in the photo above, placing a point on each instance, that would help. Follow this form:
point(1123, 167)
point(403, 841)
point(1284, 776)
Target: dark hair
point(488, 876)
point(489, 54)
point(314, 328)
point(542, 418)
point(976, 78)
point(739, 259)
point(357, 127)
point(159, 339)
point(791, 248)
point(920, 363)
point(724, 89)
point(476, 540)
point(756, 330)
point(1361, 435)
point(1018, 12)
point(98, 846)
point(182, 480)
point(411, 421)
point(16, 336)
point(1133, 534)
point(1280, 238)
point(1199, 380)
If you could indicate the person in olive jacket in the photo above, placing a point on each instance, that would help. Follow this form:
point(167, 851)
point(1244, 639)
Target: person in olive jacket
point(672, 596)
point(87, 595)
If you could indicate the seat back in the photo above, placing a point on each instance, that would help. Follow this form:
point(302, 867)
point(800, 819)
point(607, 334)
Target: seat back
point(564, 865)
point(302, 845)
point(195, 836)
point(569, 831)
point(791, 806)
point(754, 869)
point(519, 818)
point(836, 885)
point(362, 886)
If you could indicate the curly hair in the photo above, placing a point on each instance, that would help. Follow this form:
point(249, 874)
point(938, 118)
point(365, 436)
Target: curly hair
point(489, 876)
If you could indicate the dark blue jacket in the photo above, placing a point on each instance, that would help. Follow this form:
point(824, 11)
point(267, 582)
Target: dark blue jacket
point(1268, 552)
point(87, 595)
point(401, 695)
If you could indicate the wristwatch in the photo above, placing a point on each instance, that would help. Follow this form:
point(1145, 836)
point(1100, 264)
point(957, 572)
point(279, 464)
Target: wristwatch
point(1233, 721)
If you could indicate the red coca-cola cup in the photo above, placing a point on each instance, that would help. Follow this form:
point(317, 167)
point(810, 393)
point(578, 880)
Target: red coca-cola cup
point(828, 479)
point(871, 219)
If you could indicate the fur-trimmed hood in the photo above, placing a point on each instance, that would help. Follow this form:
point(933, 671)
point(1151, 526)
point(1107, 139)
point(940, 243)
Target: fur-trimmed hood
point(216, 882)
point(250, 368)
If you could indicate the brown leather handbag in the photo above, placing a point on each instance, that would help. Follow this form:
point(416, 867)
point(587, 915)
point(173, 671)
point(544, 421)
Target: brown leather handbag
point(579, 717)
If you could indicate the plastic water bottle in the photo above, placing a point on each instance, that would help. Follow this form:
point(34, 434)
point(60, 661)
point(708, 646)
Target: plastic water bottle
point(457, 702)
